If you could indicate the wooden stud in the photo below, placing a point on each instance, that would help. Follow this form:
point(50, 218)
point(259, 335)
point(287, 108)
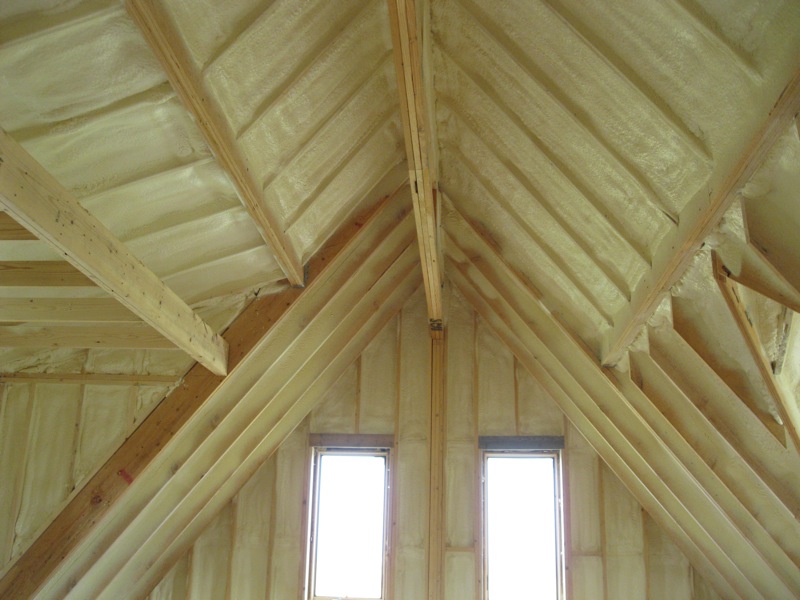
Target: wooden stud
point(786, 405)
point(695, 226)
point(35, 199)
point(408, 35)
point(436, 510)
point(103, 491)
point(167, 44)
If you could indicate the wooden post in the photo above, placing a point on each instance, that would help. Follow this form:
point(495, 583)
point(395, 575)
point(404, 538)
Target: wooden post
point(436, 516)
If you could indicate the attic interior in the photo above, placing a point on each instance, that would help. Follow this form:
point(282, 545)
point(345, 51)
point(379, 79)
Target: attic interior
point(230, 228)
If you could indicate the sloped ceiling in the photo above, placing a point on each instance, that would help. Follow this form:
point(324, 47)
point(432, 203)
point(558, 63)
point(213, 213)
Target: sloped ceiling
point(592, 147)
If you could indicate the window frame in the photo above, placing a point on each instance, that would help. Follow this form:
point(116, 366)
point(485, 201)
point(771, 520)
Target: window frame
point(317, 452)
point(513, 447)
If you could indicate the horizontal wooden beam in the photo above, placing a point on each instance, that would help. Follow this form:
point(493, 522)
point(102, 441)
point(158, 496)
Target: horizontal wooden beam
point(247, 416)
point(41, 273)
point(89, 378)
point(784, 402)
point(409, 30)
point(64, 310)
point(644, 460)
point(35, 199)
point(124, 335)
point(351, 440)
point(167, 44)
point(11, 231)
point(696, 225)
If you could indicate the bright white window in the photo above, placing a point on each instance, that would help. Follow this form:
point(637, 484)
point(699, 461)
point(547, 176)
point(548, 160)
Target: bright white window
point(522, 526)
point(348, 524)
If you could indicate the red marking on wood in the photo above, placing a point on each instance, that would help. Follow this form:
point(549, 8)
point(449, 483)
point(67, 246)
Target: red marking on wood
point(124, 474)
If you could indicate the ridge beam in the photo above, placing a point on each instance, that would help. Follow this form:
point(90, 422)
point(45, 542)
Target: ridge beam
point(411, 42)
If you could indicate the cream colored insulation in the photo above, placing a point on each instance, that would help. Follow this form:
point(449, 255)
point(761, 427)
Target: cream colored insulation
point(61, 434)
point(318, 121)
point(576, 134)
point(613, 545)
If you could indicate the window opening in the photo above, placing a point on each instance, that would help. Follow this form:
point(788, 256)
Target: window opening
point(347, 545)
point(523, 556)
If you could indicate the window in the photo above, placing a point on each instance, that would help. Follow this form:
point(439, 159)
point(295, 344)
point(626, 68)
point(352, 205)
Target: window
point(523, 556)
point(347, 545)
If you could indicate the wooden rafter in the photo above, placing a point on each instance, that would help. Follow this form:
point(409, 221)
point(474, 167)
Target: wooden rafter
point(37, 201)
point(787, 406)
point(741, 487)
point(245, 417)
point(166, 42)
point(410, 35)
point(644, 458)
point(696, 225)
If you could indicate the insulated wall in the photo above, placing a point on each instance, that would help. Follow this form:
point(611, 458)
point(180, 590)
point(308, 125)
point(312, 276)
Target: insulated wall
point(256, 546)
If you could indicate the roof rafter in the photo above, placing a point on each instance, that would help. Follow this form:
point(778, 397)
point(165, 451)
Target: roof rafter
point(642, 456)
point(166, 42)
point(695, 225)
point(38, 202)
point(248, 415)
point(411, 40)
